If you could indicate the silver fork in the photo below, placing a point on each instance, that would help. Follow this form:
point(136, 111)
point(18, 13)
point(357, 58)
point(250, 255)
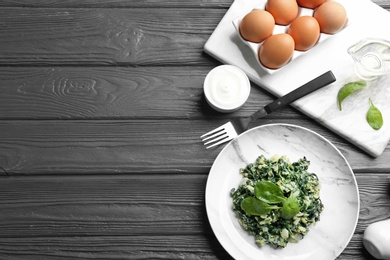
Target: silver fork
point(237, 126)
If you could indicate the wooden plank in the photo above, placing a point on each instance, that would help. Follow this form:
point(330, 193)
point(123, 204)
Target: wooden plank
point(131, 37)
point(124, 216)
point(64, 210)
point(191, 247)
point(118, 247)
point(118, 3)
point(355, 250)
point(383, 3)
point(114, 93)
point(47, 147)
point(137, 205)
point(106, 36)
point(131, 146)
point(127, 4)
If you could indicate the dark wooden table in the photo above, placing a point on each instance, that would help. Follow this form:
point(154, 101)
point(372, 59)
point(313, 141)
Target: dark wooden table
point(101, 109)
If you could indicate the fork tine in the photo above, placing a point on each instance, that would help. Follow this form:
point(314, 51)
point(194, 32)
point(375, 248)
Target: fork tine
point(218, 129)
point(217, 134)
point(219, 137)
point(227, 138)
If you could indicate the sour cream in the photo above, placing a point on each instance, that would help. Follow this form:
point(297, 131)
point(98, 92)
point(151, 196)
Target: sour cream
point(226, 88)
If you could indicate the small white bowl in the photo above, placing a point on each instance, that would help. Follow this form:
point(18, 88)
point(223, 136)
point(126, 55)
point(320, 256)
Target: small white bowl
point(226, 88)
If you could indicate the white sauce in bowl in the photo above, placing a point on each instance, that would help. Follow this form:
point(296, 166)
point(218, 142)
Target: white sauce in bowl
point(226, 88)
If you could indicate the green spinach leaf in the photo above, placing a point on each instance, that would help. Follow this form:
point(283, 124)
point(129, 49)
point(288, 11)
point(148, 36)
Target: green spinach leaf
point(290, 207)
point(256, 207)
point(348, 89)
point(269, 192)
point(374, 116)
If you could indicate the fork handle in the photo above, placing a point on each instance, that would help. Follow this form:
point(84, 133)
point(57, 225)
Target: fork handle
point(303, 90)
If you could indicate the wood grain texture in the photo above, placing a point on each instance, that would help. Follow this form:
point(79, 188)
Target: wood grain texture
point(128, 4)
point(118, 3)
point(106, 36)
point(131, 146)
point(131, 37)
point(124, 216)
point(191, 247)
point(117, 247)
point(114, 93)
point(101, 109)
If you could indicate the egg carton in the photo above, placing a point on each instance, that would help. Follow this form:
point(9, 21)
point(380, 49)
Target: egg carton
point(277, 30)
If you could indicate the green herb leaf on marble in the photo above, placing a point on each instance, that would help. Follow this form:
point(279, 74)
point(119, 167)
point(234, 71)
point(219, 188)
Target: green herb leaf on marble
point(349, 89)
point(374, 116)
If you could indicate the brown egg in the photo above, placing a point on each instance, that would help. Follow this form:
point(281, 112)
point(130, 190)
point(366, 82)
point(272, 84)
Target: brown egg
point(305, 31)
point(284, 11)
point(276, 51)
point(310, 3)
point(331, 17)
point(257, 25)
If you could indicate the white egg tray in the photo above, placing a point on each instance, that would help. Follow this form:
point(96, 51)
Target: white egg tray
point(277, 30)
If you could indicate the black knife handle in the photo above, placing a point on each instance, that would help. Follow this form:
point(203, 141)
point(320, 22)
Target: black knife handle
point(303, 90)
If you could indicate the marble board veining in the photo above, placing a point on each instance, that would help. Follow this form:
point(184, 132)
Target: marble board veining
point(330, 54)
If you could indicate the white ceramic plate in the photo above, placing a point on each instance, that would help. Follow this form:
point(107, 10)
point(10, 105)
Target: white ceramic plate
point(339, 193)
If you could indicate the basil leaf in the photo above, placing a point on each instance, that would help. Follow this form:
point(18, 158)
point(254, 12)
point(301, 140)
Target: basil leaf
point(256, 207)
point(290, 207)
point(348, 89)
point(374, 116)
point(269, 192)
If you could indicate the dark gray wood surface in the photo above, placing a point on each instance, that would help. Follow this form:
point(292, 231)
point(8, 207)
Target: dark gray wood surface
point(101, 109)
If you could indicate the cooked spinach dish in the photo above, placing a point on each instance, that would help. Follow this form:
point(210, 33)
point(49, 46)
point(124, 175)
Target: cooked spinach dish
point(278, 200)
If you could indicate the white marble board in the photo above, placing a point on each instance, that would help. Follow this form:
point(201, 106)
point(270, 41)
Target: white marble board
point(366, 19)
